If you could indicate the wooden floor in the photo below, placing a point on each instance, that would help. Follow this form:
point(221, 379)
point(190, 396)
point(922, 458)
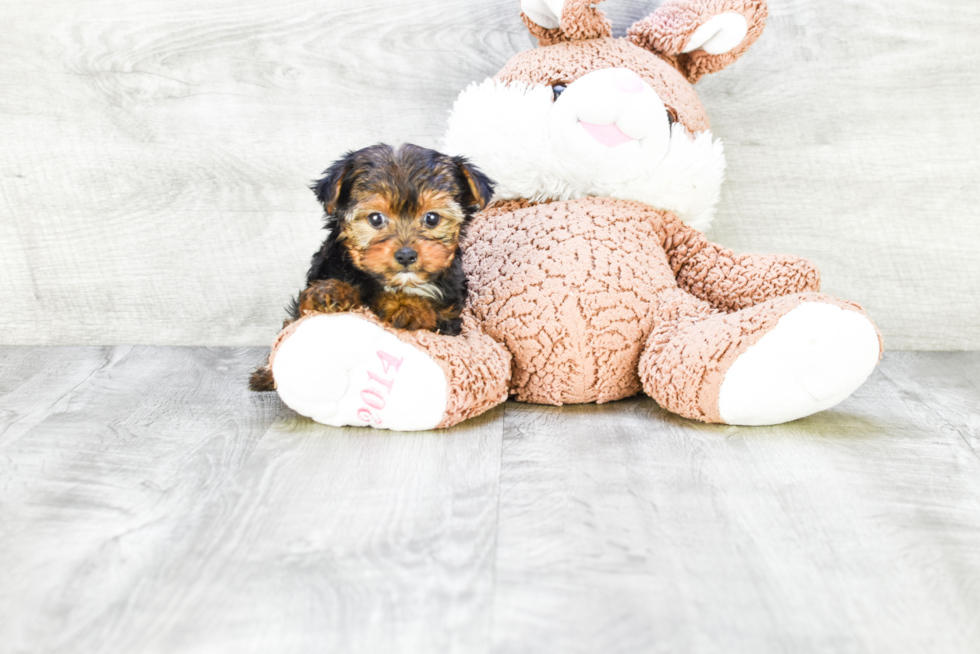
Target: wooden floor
point(149, 503)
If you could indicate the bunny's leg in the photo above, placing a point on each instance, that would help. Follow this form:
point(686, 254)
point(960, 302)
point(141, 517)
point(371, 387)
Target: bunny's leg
point(350, 369)
point(777, 361)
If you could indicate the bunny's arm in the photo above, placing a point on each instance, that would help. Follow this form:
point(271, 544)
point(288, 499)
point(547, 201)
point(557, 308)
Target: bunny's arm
point(732, 281)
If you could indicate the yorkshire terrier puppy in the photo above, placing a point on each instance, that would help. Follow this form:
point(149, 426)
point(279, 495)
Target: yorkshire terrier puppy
point(395, 218)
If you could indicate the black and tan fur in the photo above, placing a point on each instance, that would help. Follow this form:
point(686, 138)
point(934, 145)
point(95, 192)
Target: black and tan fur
point(395, 218)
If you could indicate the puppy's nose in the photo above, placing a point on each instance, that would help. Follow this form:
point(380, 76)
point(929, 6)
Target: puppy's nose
point(406, 256)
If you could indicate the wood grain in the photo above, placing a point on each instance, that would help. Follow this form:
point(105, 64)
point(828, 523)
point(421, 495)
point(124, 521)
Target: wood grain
point(626, 529)
point(338, 541)
point(151, 504)
point(154, 510)
point(104, 489)
point(34, 381)
point(156, 154)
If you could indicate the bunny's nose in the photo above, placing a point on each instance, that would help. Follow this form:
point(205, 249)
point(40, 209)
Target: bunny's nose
point(615, 108)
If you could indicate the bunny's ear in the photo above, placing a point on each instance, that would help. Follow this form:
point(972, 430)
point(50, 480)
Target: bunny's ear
point(701, 36)
point(557, 21)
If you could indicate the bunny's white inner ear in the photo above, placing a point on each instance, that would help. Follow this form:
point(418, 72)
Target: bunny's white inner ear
point(721, 34)
point(546, 13)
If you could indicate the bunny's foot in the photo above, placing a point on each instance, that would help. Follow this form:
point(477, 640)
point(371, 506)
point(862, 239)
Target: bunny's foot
point(780, 360)
point(349, 369)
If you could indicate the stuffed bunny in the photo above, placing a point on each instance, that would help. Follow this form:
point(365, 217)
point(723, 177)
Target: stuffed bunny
point(589, 277)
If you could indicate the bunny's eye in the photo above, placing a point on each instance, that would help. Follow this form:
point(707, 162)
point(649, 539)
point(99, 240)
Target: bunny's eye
point(558, 89)
point(671, 116)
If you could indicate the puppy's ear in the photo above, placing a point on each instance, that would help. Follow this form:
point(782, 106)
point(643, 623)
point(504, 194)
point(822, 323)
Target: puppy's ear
point(480, 186)
point(328, 189)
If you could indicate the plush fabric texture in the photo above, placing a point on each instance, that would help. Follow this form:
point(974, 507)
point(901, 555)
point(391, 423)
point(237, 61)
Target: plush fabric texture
point(477, 368)
point(510, 130)
point(339, 369)
point(694, 345)
point(732, 282)
point(669, 28)
point(580, 19)
point(589, 298)
point(575, 289)
point(815, 356)
point(566, 287)
point(568, 61)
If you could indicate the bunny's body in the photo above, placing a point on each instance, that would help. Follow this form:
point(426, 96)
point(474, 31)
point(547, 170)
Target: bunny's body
point(589, 280)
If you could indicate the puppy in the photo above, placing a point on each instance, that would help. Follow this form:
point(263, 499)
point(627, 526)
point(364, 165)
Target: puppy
point(396, 217)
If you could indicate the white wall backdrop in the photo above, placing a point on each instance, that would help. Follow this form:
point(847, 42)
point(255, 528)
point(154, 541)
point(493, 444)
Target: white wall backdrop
point(154, 155)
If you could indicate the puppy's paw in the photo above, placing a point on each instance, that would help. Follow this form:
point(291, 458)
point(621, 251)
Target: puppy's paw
point(452, 327)
point(450, 322)
point(405, 311)
point(328, 296)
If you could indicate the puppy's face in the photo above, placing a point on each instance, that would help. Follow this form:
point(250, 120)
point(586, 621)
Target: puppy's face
point(404, 238)
point(400, 212)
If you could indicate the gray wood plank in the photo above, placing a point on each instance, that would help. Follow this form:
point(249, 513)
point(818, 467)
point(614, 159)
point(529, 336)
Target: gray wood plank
point(149, 503)
point(945, 383)
point(158, 511)
point(336, 540)
point(626, 529)
point(100, 493)
point(33, 380)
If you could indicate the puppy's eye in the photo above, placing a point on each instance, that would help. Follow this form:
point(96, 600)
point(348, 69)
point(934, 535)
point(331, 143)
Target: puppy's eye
point(431, 219)
point(377, 220)
point(558, 89)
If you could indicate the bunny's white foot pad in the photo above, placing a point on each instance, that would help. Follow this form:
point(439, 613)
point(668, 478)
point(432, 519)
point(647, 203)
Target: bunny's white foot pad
point(341, 370)
point(815, 357)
